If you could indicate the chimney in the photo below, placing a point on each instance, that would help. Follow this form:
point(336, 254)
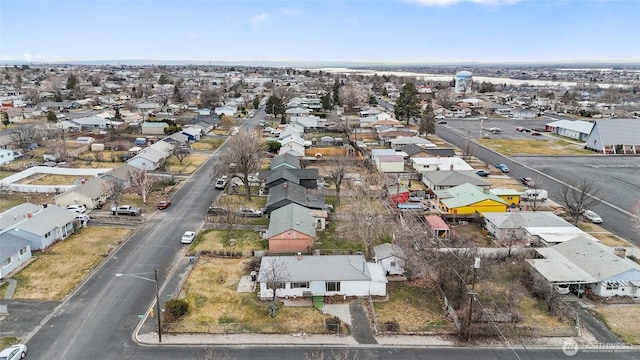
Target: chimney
point(285, 185)
point(29, 215)
point(451, 167)
point(620, 252)
point(299, 256)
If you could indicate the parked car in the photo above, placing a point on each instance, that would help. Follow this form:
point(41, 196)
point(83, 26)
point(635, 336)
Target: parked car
point(80, 209)
point(562, 289)
point(126, 210)
point(164, 204)
point(187, 237)
point(502, 167)
point(523, 129)
point(483, 173)
point(495, 130)
point(592, 216)
point(441, 122)
point(221, 184)
point(536, 133)
point(14, 352)
point(247, 212)
point(81, 218)
point(528, 182)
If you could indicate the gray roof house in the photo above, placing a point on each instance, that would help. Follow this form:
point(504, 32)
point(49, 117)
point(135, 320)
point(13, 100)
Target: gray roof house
point(305, 177)
point(45, 227)
point(574, 129)
point(11, 217)
point(440, 180)
point(321, 275)
point(287, 193)
point(14, 251)
point(615, 136)
point(148, 159)
point(292, 228)
point(413, 150)
point(515, 224)
point(592, 266)
point(285, 160)
point(89, 194)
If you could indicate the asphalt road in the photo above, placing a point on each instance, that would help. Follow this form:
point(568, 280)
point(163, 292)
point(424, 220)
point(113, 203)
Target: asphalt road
point(615, 178)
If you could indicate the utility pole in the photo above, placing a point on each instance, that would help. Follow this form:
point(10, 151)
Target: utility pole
point(472, 295)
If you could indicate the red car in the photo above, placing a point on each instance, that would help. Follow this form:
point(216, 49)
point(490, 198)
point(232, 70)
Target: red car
point(164, 204)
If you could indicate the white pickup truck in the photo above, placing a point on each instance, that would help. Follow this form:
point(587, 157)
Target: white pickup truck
point(125, 210)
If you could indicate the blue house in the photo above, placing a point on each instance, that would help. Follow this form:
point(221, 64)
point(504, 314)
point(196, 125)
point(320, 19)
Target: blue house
point(14, 251)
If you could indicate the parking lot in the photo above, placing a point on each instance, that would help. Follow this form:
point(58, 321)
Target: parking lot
point(471, 127)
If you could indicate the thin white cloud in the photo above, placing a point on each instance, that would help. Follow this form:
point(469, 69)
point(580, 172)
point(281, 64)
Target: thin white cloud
point(454, 2)
point(290, 11)
point(260, 19)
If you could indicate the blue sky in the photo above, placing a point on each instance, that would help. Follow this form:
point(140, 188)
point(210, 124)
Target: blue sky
point(417, 31)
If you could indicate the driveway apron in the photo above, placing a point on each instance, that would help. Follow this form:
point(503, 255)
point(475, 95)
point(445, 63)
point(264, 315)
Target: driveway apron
point(360, 324)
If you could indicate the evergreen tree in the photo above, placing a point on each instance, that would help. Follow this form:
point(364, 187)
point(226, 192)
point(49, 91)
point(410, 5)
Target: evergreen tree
point(117, 116)
point(336, 92)
point(274, 106)
point(408, 103)
point(72, 81)
point(256, 102)
point(163, 79)
point(326, 102)
point(51, 116)
point(177, 96)
point(428, 121)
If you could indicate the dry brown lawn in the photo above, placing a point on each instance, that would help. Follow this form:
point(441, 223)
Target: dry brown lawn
point(245, 240)
point(623, 320)
point(605, 237)
point(412, 306)
point(216, 306)
point(207, 144)
point(552, 146)
point(50, 179)
point(9, 200)
point(189, 164)
point(55, 273)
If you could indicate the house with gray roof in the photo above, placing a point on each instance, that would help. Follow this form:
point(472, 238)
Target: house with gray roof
point(285, 160)
point(615, 136)
point(90, 193)
point(414, 150)
point(45, 227)
point(440, 180)
point(305, 177)
point(287, 193)
point(11, 217)
point(14, 251)
point(153, 127)
point(292, 228)
point(514, 224)
point(391, 257)
point(589, 265)
point(399, 142)
point(148, 159)
point(320, 275)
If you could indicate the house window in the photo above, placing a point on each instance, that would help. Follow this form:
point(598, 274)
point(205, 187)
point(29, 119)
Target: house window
point(6, 262)
point(23, 251)
point(333, 286)
point(393, 263)
point(300, 285)
point(612, 286)
point(47, 235)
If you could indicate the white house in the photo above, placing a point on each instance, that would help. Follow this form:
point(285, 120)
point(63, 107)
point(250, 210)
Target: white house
point(391, 257)
point(589, 265)
point(321, 275)
point(399, 142)
point(293, 145)
point(45, 226)
point(153, 127)
point(8, 155)
point(390, 163)
point(433, 164)
point(515, 224)
point(148, 159)
point(228, 110)
point(14, 251)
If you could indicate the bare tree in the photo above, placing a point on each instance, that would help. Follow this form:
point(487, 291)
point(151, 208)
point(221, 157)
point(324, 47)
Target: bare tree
point(514, 233)
point(445, 97)
point(113, 190)
point(578, 196)
point(244, 150)
point(274, 274)
point(229, 216)
point(24, 136)
point(365, 222)
point(336, 168)
point(352, 97)
point(180, 153)
point(142, 182)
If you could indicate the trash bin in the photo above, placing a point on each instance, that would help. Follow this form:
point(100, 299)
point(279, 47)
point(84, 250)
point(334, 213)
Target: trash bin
point(254, 276)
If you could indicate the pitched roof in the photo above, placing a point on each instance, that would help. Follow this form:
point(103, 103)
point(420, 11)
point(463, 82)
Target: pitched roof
point(290, 160)
point(122, 172)
point(317, 268)
point(576, 125)
point(93, 188)
point(294, 193)
point(526, 219)
point(47, 219)
point(293, 175)
point(17, 214)
point(618, 131)
point(464, 195)
point(584, 260)
point(291, 217)
point(10, 244)
point(454, 178)
point(388, 250)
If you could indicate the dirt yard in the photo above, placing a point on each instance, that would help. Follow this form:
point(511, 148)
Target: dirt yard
point(58, 270)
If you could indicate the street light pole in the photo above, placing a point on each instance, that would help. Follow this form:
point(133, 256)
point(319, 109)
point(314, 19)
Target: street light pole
point(155, 281)
point(155, 275)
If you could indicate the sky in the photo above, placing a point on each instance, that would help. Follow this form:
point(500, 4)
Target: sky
point(377, 31)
